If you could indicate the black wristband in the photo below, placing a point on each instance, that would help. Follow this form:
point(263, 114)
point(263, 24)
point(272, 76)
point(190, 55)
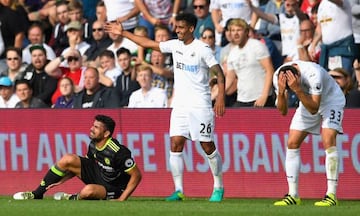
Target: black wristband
point(62, 58)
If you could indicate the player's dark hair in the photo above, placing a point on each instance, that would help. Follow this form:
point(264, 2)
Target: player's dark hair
point(290, 68)
point(107, 121)
point(189, 18)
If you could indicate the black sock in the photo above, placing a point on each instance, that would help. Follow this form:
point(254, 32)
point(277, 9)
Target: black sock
point(52, 176)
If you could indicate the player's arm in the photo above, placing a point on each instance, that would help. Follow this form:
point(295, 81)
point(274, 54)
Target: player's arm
point(219, 106)
point(135, 178)
point(310, 102)
point(116, 28)
point(282, 95)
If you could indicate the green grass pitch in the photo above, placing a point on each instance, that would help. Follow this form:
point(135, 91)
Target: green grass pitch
point(137, 206)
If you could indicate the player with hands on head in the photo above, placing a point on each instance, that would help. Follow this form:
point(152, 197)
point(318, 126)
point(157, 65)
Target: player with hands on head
point(192, 116)
point(321, 105)
point(108, 170)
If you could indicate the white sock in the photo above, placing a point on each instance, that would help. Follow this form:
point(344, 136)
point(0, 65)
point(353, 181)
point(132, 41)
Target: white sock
point(332, 169)
point(177, 169)
point(292, 166)
point(215, 164)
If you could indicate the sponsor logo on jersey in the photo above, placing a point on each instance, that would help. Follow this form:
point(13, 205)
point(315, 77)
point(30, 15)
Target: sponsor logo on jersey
point(188, 68)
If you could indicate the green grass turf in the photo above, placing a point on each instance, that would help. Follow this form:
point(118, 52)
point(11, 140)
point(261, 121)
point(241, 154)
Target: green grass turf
point(156, 206)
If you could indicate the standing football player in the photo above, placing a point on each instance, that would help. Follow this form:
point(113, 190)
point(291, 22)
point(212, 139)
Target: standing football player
point(321, 105)
point(192, 116)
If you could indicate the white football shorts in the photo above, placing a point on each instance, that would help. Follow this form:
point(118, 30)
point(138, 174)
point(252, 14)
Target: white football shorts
point(329, 116)
point(196, 124)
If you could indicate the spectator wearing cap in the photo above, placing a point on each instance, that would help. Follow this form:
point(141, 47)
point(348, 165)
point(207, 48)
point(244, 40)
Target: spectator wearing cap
point(75, 34)
point(36, 36)
point(8, 99)
point(27, 100)
point(42, 84)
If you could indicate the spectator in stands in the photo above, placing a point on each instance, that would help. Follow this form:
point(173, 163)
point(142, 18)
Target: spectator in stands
point(122, 11)
point(162, 33)
point(76, 13)
point(74, 71)
point(353, 99)
point(74, 33)
point(147, 96)
point(289, 23)
point(8, 98)
point(307, 31)
point(95, 95)
point(251, 64)
point(59, 40)
point(66, 100)
point(15, 67)
point(27, 100)
point(203, 15)
point(223, 10)
point(163, 76)
point(126, 83)
point(19, 7)
point(343, 79)
point(12, 30)
point(42, 84)
point(152, 15)
point(334, 30)
point(101, 12)
point(268, 29)
point(119, 42)
point(208, 37)
point(99, 42)
point(275, 54)
point(108, 72)
point(143, 54)
point(231, 93)
point(36, 36)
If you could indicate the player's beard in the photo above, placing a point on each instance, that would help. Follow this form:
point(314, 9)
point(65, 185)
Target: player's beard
point(95, 139)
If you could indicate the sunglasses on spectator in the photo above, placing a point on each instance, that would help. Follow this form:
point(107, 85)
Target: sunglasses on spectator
point(199, 6)
point(207, 37)
point(15, 59)
point(72, 58)
point(98, 29)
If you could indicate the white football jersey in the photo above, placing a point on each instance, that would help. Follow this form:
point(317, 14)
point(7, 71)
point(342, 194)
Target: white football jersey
point(191, 72)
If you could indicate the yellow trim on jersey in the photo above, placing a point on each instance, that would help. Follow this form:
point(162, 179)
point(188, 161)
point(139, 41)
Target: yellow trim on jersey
point(57, 172)
point(111, 145)
point(127, 170)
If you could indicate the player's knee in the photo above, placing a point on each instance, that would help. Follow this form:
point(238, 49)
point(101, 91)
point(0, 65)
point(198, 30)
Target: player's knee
point(92, 192)
point(68, 159)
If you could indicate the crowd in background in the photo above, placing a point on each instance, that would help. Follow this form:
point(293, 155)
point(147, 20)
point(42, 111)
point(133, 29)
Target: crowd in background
point(57, 54)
